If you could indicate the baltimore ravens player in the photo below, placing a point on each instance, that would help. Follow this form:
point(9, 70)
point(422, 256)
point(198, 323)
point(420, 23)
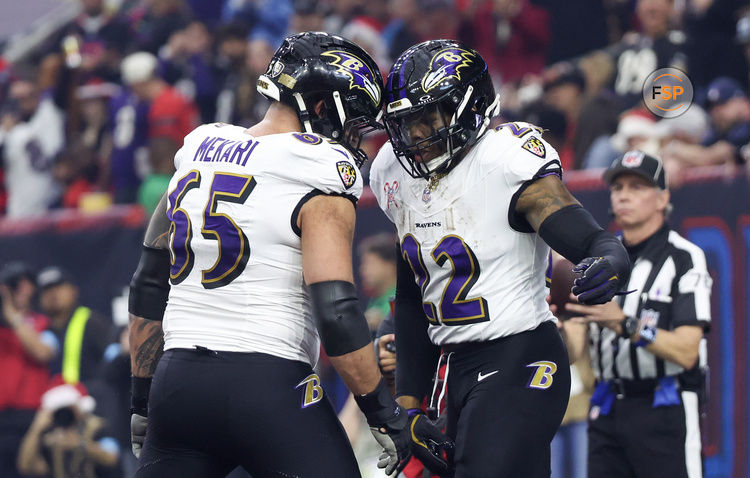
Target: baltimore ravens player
point(477, 211)
point(250, 254)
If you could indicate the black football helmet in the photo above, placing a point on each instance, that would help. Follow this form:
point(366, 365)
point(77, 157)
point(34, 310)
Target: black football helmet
point(439, 101)
point(313, 66)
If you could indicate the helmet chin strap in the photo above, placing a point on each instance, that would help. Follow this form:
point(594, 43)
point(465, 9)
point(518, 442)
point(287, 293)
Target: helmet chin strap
point(492, 110)
point(450, 151)
point(303, 113)
point(340, 111)
point(464, 102)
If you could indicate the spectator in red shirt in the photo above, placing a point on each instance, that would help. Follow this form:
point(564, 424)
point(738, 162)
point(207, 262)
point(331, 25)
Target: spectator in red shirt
point(25, 349)
point(170, 118)
point(512, 35)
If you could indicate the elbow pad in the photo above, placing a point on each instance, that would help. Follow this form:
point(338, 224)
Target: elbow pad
point(340, 322)
point(149, 288)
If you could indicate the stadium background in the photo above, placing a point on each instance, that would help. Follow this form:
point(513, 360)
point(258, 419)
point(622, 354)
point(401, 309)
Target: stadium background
point(98, 241)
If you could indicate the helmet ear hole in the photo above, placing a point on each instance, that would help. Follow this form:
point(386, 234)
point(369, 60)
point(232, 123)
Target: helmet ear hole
point(319, 108)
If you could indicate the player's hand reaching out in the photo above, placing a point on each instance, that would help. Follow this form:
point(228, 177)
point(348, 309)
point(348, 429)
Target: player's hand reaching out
point(598, 282)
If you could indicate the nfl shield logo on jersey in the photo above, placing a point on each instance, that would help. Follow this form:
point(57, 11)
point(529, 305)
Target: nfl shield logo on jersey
point(347, 173)
point(535, 146)
point(426, 195)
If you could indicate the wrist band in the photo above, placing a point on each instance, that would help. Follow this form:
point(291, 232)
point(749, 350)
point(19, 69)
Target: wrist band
point(412, 412)
point(647, 334)
point(139, 390)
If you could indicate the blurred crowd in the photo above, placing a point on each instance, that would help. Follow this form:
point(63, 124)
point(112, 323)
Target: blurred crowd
point(94, 115)
point(65, 386)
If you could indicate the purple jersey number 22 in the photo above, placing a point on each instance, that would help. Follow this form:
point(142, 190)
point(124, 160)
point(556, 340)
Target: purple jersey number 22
point(455, 308)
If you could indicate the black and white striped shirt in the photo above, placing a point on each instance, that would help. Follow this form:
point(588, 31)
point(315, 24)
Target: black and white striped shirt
point(673, 288)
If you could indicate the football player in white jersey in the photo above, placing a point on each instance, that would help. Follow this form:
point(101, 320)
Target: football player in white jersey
point(477, 211)
point(247, 260)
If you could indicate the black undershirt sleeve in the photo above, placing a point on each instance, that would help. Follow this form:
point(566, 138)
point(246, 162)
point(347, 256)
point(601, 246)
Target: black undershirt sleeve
point(416, 355)
point(149, 287)
point(574, 233)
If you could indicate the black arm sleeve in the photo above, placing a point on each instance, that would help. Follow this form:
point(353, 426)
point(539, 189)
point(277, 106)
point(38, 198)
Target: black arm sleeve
point(340, 322)
point(149, 288)
point(416, 356)
point(575, 234)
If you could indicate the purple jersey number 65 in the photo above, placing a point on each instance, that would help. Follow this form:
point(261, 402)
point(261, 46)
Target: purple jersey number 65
point(234, 249)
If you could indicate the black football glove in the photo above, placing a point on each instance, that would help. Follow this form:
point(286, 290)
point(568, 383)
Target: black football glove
point(428, 443)
point(598, 282)
point(389, 424)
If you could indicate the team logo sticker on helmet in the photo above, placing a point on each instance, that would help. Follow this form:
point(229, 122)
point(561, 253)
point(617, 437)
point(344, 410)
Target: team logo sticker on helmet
point(347, 173)
point(535, 146)
point(274, 68)
point(360, 75)
point(446, 63)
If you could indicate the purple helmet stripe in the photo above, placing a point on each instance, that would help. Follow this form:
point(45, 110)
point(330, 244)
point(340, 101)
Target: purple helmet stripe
point(398, 71)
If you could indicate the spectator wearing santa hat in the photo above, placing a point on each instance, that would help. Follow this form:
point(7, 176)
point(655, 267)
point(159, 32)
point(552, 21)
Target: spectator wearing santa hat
point(634, 131)
point(66, 439)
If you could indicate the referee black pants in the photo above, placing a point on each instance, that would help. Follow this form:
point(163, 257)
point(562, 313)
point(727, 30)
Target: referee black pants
point(506, 399)
point(636, 440)
point(210, 412)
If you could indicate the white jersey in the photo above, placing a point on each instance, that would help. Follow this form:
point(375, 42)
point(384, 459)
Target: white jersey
point(236, 258)
point(480, 267)
point(30, 151)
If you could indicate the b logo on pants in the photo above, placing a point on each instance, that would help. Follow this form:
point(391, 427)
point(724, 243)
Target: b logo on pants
point(313, 390)
point(542, 378)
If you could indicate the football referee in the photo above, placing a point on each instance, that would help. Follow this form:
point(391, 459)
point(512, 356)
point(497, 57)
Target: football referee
point(648, 347)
